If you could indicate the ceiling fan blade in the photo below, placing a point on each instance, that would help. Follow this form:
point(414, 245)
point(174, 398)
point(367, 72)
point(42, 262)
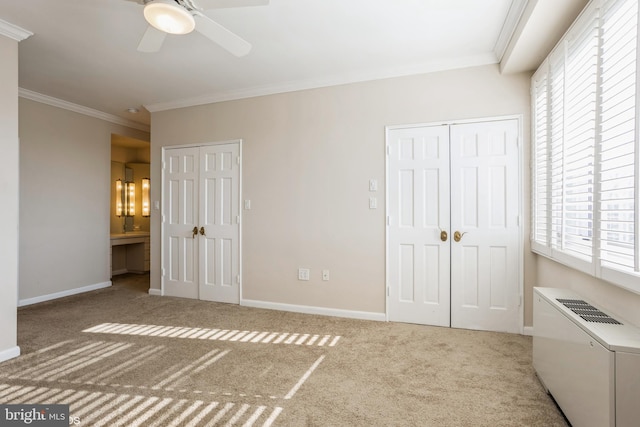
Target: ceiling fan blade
point(220, 4)
point(220, 35)
point(151, 40)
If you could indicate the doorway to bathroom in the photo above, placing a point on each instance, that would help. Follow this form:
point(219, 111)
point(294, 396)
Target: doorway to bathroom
point(130, 210)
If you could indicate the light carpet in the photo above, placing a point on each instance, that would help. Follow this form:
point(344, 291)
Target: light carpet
point(119, 356)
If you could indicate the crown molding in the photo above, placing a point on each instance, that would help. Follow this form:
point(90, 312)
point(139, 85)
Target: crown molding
point(66, 105)
point(13, 31)
point(337, 80)
point(516, 10)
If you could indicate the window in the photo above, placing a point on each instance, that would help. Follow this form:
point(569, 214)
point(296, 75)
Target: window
point(585, 150)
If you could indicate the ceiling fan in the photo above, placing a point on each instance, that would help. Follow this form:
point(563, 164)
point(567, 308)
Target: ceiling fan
point(183, 16)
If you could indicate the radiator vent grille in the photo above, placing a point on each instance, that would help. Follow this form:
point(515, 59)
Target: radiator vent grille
point(588, 312)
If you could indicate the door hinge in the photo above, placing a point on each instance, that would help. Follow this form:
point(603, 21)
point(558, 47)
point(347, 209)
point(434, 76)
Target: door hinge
point(238, 160)
point(387, 291)
point(520, 302)
point(237, 219)
point(162, 271)
point(238, 279)
point(388, 220)
point(388, 150)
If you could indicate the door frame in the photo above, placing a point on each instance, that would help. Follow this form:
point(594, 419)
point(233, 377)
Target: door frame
point(521, 169)
point(240, 211)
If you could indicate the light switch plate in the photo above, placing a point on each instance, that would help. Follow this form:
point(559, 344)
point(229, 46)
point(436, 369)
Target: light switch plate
point(373, 185)
point(303, 274)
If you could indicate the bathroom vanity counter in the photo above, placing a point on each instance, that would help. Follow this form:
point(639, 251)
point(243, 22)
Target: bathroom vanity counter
point(130, 252)
point(129, 238)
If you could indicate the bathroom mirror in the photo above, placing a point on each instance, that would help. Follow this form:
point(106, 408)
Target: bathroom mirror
point(130, 172)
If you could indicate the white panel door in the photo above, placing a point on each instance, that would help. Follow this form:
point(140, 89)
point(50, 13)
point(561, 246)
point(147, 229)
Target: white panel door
point(219, 222)
point(201, 222)
point(485, 286)
point(180, 244)
point(454, 178)
point(419, 254)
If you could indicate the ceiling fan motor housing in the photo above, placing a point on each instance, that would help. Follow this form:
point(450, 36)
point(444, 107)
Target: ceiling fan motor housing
point(169, 16)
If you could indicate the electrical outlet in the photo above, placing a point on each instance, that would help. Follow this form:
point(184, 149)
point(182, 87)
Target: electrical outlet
point(325, 275)
point(373, 203)
point(303, 274)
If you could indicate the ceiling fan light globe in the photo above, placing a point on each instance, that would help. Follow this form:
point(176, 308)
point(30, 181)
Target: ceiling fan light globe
point(167, 16)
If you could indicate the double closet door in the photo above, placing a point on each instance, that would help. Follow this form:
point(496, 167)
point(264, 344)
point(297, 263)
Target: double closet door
point(201, 222)
point(453, 247)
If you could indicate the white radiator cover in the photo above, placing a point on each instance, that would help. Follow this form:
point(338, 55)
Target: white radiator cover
point(592, 370)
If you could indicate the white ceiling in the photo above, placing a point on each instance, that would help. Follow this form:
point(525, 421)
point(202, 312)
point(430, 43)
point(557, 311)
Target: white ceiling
point(84, 51)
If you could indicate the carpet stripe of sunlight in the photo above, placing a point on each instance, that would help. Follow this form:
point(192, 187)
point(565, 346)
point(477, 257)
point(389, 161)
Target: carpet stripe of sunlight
point(196, 366)
point(215, 334)
point(304, 377)
point(76, 369)
point(106, 409)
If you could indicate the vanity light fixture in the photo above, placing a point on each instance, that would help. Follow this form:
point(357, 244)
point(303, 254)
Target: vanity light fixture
point(119, 197)
point(146, 205)
point(169, 16)
point(130, 198)
point(125, 198)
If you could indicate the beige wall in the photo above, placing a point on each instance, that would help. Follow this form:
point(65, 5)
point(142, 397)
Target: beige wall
point(126, 154)
point(9, 184)
point(307, 159)
point(65, 179)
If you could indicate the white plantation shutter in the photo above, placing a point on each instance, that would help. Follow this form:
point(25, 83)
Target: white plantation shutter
point(540, 204)
point(579, 142)
point(585, 155)
point(619, 135)
point(556, 148)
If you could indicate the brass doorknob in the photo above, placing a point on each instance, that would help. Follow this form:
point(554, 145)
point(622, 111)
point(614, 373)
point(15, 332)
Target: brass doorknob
point(195, 232)
point(457, 236)
point(202, 231)
point(443, 235)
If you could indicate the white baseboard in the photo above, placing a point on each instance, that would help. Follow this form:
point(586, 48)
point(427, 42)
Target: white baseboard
point(323, 311)
point(117, 272)
point(528, 330)
point(9, 353)
point(69, 292)
point(155, 292)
